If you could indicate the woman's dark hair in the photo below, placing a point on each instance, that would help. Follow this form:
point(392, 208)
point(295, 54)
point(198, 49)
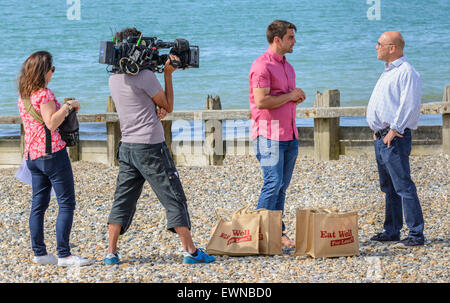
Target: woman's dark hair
point(32, 74)
point(278, 28)
point(127, 32)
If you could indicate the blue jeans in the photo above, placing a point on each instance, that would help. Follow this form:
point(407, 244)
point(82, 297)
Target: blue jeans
point(49, 171)
point(277, 160)
point(400, 190)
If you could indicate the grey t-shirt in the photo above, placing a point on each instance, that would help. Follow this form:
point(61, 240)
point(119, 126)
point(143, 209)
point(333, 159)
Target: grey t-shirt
point(132, 96)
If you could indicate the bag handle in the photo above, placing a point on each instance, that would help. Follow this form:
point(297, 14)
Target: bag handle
point(219, 216)
point(243, 210)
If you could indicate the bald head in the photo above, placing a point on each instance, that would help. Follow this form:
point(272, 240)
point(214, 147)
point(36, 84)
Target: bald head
point(396, 38)
point(390, 46)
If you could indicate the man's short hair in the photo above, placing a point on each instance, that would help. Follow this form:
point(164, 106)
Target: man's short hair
point(278, 28)
point(127, 32)
point(401, 42)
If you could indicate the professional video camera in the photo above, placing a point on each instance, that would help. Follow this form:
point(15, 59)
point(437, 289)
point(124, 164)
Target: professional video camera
point(138, 53)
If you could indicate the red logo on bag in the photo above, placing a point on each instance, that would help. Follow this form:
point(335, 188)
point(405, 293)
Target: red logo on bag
point(260, 235)
point(342, 241)
point(346, 236)
point(224, 235)
point(239, 236)
point(239, 239)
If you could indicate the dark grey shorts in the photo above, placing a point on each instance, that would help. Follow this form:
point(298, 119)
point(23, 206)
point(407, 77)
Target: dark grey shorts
point(153, 163)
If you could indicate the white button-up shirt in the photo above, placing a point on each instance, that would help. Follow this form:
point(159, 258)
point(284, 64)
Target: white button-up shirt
point(395, 100)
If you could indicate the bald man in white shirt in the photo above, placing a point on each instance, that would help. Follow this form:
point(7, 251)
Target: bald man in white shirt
point(393, 111)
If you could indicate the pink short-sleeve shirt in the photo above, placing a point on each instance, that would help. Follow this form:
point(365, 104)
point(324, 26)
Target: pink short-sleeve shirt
point(272, 70)
point(34, 131)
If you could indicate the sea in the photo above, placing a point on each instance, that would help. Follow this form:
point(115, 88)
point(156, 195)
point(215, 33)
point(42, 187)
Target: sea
point(335, 49)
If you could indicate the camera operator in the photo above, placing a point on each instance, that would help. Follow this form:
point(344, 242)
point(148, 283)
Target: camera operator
point(144, 156)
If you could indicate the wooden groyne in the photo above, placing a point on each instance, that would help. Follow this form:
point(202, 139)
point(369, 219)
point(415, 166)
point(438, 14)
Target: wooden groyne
point(325, 141)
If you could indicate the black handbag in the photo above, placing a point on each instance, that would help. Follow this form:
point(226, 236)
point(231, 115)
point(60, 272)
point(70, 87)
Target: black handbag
point(69, 129)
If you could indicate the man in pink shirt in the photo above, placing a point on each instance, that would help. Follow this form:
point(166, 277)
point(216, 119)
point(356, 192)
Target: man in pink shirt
point(273, 99)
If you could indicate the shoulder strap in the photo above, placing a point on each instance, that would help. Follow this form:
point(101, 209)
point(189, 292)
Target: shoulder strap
point(33, 113)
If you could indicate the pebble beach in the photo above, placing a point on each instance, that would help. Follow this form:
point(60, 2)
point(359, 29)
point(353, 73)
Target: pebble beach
point(150, 253)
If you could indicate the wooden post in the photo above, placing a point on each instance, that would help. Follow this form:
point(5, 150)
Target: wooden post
point(446, 123)
point(214, 147)
point(74, 152)
point(113, 135)
point(167, 126)
point(326, 130)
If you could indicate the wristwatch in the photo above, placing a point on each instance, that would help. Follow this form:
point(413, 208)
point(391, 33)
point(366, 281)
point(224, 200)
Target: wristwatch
point(70, 108)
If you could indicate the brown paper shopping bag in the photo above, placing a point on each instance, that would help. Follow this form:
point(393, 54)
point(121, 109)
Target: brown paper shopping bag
point(238, 237)
point(269, 231)
point(326, 233)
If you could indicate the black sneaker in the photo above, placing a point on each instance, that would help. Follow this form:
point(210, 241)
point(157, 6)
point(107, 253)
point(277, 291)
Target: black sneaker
point(412, 242)
point(382, 237)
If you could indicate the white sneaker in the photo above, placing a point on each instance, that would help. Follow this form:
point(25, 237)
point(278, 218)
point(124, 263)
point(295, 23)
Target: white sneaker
point(44, 260)
point(73, 260)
